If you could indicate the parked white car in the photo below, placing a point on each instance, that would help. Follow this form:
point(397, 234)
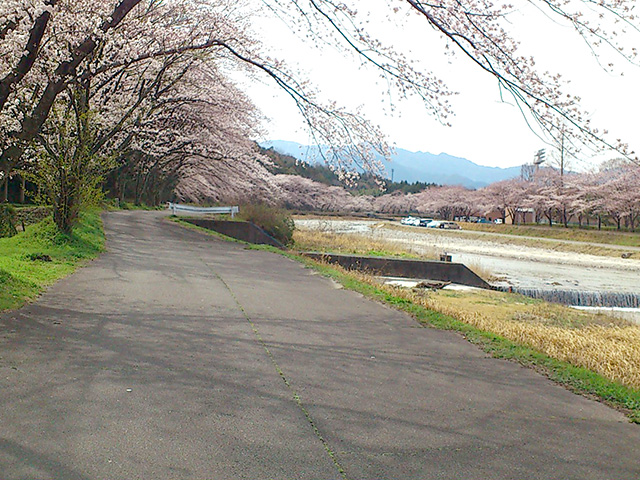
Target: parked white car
point(414, 221)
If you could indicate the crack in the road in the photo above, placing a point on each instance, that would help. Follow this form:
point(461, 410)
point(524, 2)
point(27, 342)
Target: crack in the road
point(294, 393)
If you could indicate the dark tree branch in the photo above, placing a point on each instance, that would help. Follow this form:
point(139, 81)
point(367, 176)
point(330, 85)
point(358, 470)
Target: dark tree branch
point(63, 74)
point(31, 53)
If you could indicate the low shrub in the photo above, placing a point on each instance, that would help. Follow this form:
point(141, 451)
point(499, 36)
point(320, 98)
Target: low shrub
point(275, 221)
point(7, 221)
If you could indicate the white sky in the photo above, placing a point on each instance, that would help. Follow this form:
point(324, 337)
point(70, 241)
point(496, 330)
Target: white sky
point(484, 130)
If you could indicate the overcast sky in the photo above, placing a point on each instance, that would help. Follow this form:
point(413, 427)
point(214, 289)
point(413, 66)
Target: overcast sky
point(485, 130)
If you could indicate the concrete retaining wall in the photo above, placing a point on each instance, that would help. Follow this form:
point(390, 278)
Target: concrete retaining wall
point(245, 231)
point(393, 267)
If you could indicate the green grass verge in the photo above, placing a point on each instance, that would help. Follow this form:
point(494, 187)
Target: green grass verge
point(112, 205)
point(41, 255)
point(577, 379)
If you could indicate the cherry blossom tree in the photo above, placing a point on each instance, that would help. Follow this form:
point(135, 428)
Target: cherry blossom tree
point(48, 48)
point(592, 195)
point(622, 199)
point(43, 45)
point(478, 30)
point(157, 105)
point(71, 41)
point(448, 201)
point(396, 202)
point(576, 191)
point(506, 197)
point(201, 120)
point(304, 194)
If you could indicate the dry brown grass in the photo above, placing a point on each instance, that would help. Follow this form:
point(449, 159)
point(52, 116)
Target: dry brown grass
point(320, 241)
point(587, 235)
point(598, 342)
point(483, 272)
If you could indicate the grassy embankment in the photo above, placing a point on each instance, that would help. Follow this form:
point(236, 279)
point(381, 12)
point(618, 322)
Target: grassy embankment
point(590, 353)
point(36, 258)
point(588, 235)
point(320, 241)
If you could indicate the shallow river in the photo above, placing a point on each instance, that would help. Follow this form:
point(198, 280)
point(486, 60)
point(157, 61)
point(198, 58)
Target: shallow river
point(509, 265)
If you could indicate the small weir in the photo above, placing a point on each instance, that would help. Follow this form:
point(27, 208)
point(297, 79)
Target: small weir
point(579, 298)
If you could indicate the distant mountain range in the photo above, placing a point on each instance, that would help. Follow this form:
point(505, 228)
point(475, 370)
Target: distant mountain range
point(442, 169)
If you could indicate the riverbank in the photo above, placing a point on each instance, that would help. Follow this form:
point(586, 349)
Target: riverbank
point(510, 264)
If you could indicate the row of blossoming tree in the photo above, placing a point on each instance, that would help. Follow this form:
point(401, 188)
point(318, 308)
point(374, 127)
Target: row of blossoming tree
point(143, 89)
point(611, 195)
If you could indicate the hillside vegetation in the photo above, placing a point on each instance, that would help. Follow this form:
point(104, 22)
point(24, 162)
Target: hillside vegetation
point(367, 184)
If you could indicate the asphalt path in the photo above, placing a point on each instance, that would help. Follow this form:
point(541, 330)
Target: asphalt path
point(179, 356)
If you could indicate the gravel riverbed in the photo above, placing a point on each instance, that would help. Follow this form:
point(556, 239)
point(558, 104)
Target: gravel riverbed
point(509, 264)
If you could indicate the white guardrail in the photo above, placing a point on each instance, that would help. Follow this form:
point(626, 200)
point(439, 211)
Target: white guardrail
point(176, 207)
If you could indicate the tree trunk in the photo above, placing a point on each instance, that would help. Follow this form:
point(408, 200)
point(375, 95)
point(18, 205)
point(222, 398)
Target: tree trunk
point(5, 189)
point(138, 189)
point(123, 191)
point(23, 185)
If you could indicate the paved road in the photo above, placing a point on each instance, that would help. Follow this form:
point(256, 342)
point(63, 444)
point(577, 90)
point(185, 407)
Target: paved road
point(178, 356)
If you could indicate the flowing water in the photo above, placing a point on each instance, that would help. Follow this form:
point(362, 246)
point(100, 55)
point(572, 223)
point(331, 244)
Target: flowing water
point(564, 277)
point(581, 298)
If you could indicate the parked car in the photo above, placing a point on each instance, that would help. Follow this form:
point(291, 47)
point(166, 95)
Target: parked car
point(410, 220)
point(423, 222)
point(497, 221)
point(450, 225)
point(483, 220)
point(434, 224)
